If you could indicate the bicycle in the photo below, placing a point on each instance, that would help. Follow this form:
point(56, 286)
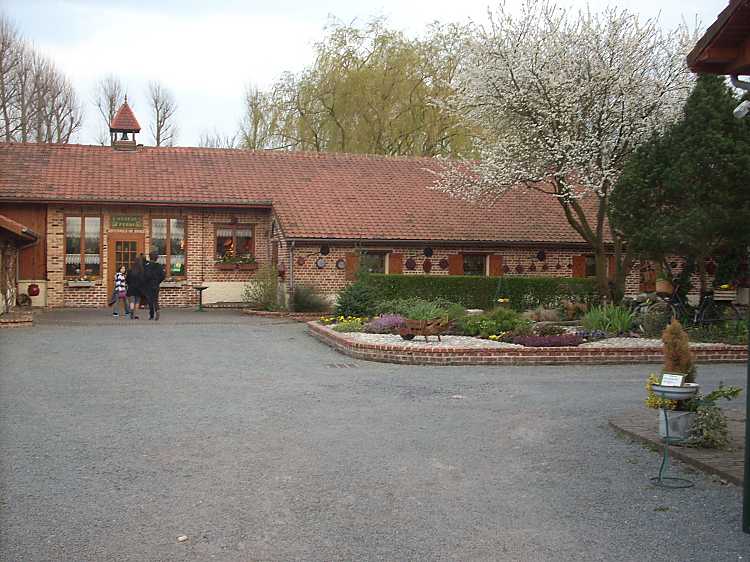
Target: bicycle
point(710, 311)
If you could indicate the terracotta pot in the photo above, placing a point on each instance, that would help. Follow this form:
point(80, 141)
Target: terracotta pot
point(664, 286)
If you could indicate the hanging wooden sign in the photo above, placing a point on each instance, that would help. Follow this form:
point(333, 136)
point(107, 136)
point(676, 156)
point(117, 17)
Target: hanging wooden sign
point(118, 222)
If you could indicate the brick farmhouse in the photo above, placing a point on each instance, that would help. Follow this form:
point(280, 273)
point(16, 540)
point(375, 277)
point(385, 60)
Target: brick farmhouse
point(217, 215)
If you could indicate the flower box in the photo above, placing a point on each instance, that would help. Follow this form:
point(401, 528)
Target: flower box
point(226, 266)
point(247, 266)
point(81, 283)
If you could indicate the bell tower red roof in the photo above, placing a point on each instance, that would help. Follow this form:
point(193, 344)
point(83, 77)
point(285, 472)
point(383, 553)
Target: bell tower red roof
point(124, 120)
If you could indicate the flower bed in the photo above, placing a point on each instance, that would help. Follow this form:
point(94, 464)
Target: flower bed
point(461, 350)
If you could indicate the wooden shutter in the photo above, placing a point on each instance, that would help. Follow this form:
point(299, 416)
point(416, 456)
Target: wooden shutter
point(579, 266)
point(611, 268)
point(456, 264)
point(395, 264)
point(352, 265)
point(496, 266)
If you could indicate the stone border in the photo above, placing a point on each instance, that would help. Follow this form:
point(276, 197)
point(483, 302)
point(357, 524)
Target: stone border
point(641, 426)
point(16, 319)
point(296, 316)
point(426, 355)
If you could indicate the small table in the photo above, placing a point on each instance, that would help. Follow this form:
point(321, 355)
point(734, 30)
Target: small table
point(678, 393)
point(200, 289)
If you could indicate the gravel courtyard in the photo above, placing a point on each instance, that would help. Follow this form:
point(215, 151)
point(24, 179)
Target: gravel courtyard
point(259, 443)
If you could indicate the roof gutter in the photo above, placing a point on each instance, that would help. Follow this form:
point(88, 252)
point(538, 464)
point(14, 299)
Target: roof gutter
point(120, 203)
point(451, 243)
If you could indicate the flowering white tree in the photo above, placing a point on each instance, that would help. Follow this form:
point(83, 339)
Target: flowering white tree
point(563, 99)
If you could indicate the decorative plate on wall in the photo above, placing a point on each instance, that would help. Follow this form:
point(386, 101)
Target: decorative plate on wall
point(340, 263)
point(506, 269)
point(541, 255)
point(324, 250)
point(443, 263)
point(428, 252)
point(519, 268)
point(411, 264)
point(532, 267)
point(320, 263)
point(427, 266)
point(545, 267)
point(301, 261)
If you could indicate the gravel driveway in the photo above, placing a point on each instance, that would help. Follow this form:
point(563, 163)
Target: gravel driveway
point(259, 443)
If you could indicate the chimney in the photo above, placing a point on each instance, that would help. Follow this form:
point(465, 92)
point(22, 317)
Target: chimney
point(124, 124)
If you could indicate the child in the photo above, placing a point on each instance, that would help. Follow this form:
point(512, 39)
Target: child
point(121, 292)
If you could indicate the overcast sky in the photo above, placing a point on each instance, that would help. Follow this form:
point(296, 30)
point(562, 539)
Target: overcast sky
point(206, 52)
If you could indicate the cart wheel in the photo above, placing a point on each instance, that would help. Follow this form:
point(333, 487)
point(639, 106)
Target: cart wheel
point(407, 336)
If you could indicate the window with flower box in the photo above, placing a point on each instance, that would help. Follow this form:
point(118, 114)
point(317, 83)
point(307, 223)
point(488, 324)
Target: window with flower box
point(168, 239)
point(235, 243)
point(83, 255)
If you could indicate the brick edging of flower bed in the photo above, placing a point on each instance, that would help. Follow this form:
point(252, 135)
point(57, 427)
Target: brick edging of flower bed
point(412, 355)
point(298, 316)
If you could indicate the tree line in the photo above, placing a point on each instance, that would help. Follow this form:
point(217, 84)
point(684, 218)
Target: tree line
point(39, 104)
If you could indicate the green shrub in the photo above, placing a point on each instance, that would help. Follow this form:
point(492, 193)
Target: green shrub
point(505, 318)
point(482, 292)
point(610, 319)
point(549, 330)
point(732, 333)
point(262, 292)
point(654, 320)
point(307, 299)
point(355, 300)
point(403, 307)
point(349, 325)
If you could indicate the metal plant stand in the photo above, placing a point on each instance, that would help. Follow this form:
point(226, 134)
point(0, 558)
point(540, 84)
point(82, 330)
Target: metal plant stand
point(200, 290)
point(677, 393)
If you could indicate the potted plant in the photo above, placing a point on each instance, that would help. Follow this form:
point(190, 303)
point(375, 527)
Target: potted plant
point(678, 359)
point(663, 284)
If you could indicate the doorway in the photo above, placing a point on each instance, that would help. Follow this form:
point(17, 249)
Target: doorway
point(123, 249)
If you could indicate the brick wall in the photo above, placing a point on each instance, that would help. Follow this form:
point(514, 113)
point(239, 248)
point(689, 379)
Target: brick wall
point(200, 252)
point(330, 280)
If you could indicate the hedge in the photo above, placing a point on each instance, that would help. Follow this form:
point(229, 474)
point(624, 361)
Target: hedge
point(482, 292)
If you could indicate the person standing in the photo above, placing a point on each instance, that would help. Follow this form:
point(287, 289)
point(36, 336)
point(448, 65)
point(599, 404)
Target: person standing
point(154, 275)
point(121, 292)
point(135, 282)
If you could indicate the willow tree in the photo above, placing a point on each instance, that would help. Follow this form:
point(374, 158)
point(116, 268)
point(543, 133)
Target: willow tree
point(564, 99)
point(370, 90)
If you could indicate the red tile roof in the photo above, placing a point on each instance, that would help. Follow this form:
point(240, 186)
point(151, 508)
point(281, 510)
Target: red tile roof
point(17, 229)
point(315, 195)
point(125, 121)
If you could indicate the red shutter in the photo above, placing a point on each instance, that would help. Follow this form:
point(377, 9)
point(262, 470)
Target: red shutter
point(352, 264)
point(611, 268)
point(579, 266)
point(395, 264)
point(456, 264)
point(496, 266)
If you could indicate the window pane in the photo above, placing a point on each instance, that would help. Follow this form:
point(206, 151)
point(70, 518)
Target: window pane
point(244, 240)
point(91, 230)
point(224, 243)
point(72, 235)
point(590, 266)
point(72, 246)
point(177, 241)
point(373, 263)
point(159, 239)
point(474, 264)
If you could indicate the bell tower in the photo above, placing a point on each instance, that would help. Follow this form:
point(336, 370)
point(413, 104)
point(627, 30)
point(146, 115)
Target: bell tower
point(124, 123)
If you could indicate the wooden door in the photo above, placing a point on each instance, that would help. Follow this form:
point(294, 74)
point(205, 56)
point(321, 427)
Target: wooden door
point(123, 249)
